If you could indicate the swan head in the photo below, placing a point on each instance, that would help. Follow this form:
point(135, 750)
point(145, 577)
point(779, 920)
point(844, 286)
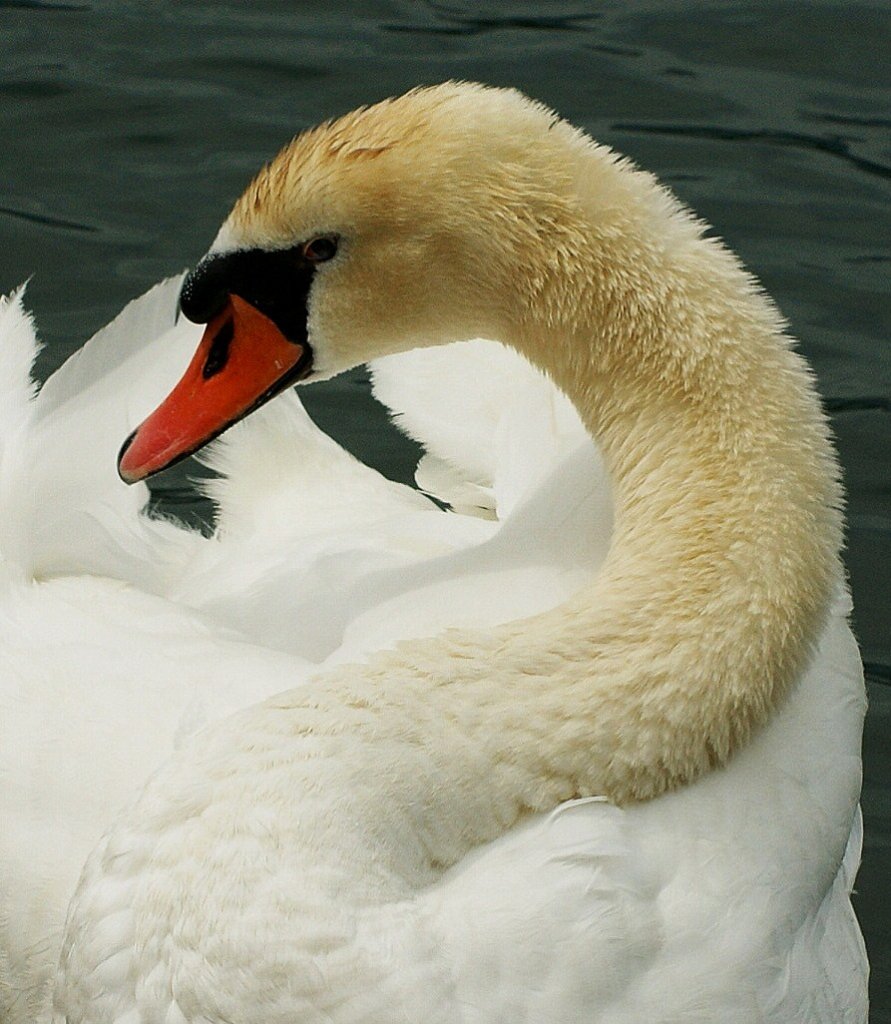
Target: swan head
point(398, 225)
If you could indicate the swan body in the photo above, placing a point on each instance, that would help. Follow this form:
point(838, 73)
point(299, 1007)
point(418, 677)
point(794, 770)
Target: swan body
point(124, 635)
point(623, 786)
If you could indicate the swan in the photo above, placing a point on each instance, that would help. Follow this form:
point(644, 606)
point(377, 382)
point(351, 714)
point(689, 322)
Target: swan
point(121, 635)
point(638, 805)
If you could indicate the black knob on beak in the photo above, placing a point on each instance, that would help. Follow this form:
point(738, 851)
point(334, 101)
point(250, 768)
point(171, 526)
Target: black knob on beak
point(205, 290)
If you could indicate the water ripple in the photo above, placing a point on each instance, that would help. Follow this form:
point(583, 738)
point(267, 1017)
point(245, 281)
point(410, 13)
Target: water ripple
point(616, 51)
point(834, 145)
point(47, 220)
point(877, 672)
point(857, 122)
point(43, 5)
point(876, 403)
point(472, 26)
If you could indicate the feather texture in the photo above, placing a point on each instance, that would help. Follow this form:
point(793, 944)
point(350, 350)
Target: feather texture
point(420, 832)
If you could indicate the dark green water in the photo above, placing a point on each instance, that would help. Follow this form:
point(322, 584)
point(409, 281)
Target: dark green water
point(129, 127)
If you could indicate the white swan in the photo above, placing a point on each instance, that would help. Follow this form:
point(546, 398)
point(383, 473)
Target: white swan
point(334, 853)
point(100, 680)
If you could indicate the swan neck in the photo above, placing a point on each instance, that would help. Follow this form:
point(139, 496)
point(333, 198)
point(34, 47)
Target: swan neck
point(727, 526)
point(359, 790)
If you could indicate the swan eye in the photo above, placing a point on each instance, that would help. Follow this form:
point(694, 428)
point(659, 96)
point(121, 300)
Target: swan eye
point(318, 250)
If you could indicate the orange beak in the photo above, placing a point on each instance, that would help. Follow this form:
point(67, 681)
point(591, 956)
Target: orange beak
point(243, 360)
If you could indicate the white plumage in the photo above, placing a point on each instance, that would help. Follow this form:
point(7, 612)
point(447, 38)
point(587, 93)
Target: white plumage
point(736, 885)
point(362, 846)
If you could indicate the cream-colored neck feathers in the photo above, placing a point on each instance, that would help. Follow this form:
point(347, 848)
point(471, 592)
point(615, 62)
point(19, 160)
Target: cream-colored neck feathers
point(370, 781)
point(727, 523)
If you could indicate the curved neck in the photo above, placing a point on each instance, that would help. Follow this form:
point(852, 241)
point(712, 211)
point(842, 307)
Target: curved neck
point(725, 550)
point(728, 526)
